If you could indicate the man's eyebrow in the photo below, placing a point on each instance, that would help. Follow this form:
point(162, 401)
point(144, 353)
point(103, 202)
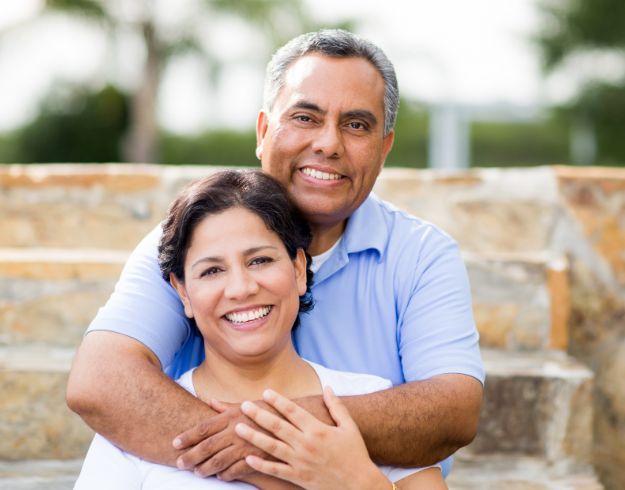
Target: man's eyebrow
point(361, 114)
point(304, 104)
point(217, 258)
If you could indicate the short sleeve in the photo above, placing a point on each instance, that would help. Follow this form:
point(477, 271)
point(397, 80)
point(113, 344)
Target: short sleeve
point(144, 306)
point(437, 333)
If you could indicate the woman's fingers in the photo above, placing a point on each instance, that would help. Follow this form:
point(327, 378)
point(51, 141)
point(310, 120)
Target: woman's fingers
point(277, 426)
point(271, 468)
point(274, 447)
point(338, 411)
point(299, 417)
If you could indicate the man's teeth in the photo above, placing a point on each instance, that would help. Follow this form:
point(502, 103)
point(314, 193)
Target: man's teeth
point(248, 316)
point(317, 174)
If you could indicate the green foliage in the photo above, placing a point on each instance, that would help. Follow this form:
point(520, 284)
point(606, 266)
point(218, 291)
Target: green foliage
point(578, 25)
point(227, 148)
point(80, 127)
point(519, 144)
point(604, 105)
point(411, 137)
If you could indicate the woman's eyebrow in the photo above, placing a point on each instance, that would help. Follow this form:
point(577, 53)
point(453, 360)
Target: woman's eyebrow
point(246, 253)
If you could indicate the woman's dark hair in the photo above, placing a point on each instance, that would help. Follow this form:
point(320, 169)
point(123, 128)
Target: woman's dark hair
point(249, 189)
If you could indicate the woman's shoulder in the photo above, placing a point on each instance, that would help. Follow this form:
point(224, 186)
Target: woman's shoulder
point(345, 383)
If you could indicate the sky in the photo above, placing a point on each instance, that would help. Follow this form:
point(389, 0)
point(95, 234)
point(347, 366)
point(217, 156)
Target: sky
point(475, 53)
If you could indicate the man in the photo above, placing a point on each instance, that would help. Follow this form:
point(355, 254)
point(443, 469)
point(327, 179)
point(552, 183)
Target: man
point(391, 291)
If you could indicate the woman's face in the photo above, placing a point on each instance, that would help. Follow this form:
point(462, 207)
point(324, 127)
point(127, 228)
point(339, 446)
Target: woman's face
point(241, 286)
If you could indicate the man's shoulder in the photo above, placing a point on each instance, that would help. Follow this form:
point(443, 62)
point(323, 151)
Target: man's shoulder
point(402, 227)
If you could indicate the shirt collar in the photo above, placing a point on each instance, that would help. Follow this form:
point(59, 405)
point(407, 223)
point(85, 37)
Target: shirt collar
point(366, 227)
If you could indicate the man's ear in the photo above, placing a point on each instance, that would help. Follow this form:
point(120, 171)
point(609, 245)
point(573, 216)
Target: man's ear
point(300, 271)
point(182, 292)
point(261, 130)
point(387, 145)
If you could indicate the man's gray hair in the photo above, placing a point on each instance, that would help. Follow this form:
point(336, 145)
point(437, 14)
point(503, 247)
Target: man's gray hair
point(336, 43)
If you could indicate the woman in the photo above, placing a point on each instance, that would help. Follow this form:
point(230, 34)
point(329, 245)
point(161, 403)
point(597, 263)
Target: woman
point(233, 247)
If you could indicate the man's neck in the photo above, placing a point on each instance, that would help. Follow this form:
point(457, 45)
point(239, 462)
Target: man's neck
point(324, 236)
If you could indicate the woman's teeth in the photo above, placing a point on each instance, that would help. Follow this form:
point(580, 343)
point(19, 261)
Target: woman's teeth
point(248, 316)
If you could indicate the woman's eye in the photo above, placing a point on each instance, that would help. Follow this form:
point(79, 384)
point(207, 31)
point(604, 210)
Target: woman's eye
point(260, 260)
point(210, 271)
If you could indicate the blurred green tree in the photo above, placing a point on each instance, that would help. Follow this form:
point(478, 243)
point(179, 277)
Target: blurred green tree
point(277, 20)
point(578, 30)
point(75, 126)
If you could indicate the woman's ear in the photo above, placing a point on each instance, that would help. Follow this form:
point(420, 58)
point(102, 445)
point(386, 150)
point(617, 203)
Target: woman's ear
point(300, 271)
point(182, 292)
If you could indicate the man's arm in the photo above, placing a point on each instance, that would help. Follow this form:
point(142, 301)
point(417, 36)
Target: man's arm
point(116, 385)
point(418, 423)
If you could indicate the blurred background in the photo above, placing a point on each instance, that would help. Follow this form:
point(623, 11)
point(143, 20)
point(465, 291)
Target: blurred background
point(483, 83)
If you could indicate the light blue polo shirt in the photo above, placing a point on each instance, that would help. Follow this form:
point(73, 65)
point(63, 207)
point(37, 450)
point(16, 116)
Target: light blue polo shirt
point(392, 300)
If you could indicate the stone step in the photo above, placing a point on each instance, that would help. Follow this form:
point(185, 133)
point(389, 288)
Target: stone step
point(39, 474)
point(51, 295)
point(519, 473)
point(536, 404)
point(499, 473)
point(521, 301)
point(35, 422)
point(113, 206)
point(86, 206)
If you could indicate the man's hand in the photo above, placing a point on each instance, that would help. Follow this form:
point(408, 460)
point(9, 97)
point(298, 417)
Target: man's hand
point(213, 446)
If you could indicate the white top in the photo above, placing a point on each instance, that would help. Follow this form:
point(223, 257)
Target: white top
point(107, 467)
point(318, 260)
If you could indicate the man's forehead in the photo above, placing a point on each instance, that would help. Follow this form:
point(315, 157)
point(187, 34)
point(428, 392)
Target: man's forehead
point(313, 75)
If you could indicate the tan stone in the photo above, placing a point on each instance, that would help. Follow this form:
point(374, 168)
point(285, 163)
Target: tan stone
point(511, 299)
point(522, 394)
point(52, 295)
point(113, 177)
point(34, 419)
point(596, 199)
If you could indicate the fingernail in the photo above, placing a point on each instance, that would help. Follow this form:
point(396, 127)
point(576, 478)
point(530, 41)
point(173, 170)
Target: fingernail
point(180, 464)
point(268, 394)
point(247, 406)
point(241, 429)
point(177, 443)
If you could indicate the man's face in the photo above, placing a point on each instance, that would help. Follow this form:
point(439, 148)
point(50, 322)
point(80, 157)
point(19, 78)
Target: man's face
point(324, 138)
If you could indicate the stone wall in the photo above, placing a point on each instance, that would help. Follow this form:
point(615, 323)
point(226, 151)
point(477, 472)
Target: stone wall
point(545, 250)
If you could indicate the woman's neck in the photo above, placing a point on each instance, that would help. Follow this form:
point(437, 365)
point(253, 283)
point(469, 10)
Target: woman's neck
point(235, 381)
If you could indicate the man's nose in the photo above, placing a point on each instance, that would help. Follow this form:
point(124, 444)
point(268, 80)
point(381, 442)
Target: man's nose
point(329, 141)
point(240, 284)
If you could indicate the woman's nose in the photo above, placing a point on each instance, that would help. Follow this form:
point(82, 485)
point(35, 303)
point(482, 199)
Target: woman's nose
point(240, 284)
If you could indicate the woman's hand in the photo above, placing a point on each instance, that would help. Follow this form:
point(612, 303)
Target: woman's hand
point(312, 454)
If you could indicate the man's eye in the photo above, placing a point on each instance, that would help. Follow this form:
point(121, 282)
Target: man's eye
point(357, 125)
point(303, 118)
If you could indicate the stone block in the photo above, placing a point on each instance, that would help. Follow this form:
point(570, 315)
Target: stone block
point(521, 301)
point(39, 474)
point(485, 210)
point(519, 473)
point(536, 404)
point(35, 422)
point(50, 296)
